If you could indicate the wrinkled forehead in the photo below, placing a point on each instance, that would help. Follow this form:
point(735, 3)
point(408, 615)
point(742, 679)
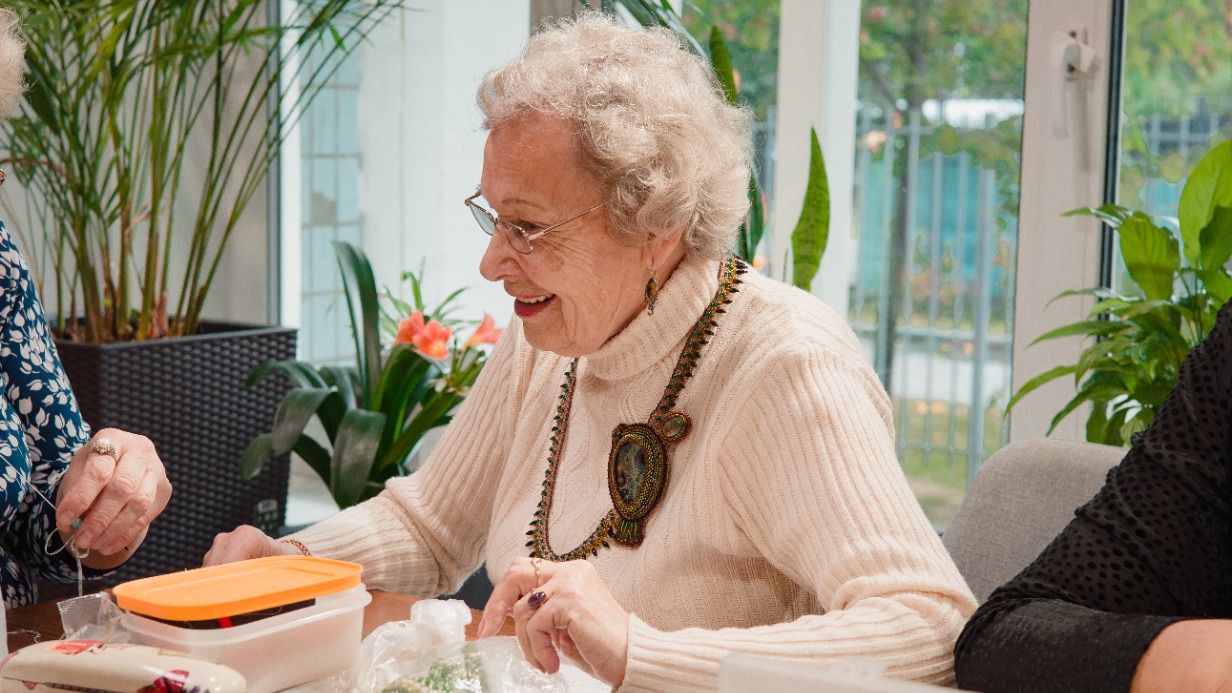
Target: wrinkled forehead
point(533, 150)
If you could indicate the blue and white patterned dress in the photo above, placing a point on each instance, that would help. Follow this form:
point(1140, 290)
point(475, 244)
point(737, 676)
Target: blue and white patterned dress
point(40, 429)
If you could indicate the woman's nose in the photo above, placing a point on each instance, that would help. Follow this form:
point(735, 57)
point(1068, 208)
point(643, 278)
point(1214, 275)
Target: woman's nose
point(499, 258)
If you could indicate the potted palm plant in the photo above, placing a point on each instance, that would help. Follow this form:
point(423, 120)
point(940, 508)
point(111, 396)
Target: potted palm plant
point(123, 97)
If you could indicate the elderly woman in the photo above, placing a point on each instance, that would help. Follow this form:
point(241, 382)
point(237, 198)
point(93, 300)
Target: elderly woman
point(64, 496)
point(667, 458)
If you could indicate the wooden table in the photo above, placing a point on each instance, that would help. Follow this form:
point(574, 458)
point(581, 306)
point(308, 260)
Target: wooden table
point(41, 621)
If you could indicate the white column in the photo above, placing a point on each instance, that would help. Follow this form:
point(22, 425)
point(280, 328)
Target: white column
point(818, 63)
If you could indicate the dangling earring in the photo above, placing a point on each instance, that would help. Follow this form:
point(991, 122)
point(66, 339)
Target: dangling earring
point(652, 294)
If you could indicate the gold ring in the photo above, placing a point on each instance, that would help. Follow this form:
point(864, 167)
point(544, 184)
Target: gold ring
point(104, 446)
point(536, 600)
point(534, 563)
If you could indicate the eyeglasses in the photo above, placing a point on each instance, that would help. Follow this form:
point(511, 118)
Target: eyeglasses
point(519, 237)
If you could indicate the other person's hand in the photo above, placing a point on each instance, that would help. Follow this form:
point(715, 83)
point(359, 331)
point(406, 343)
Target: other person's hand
point(245, 542)
point(116, 485)
point(1187, 657)
point(561, 609)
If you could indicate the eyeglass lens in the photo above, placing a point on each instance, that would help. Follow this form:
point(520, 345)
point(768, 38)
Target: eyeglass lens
point(488, 222)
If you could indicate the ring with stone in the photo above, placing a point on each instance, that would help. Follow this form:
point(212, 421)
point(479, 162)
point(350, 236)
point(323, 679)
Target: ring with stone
point(104, 446)
point(536, 600)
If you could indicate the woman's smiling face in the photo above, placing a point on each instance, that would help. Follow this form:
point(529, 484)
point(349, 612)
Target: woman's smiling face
point(579, 286)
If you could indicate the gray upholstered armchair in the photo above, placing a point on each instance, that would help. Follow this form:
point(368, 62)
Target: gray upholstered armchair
point(1023, 496)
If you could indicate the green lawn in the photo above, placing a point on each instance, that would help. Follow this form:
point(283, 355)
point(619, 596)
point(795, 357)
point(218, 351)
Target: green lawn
point(938, 472)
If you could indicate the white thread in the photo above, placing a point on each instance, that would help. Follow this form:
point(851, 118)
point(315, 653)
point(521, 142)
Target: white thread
point(71, 544)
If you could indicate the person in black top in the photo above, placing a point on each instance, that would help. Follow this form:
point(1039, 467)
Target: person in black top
point(1135, 592)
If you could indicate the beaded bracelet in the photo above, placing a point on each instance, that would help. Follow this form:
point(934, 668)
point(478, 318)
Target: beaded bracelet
point(297, 544)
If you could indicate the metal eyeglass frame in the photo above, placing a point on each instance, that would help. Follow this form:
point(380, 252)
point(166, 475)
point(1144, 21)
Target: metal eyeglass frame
point(489, 221)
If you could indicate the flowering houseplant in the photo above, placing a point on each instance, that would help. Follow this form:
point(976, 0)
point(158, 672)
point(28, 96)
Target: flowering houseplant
point(375, 412)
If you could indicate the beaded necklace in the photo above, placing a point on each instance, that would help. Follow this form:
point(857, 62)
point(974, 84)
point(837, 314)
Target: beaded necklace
point(638, 461)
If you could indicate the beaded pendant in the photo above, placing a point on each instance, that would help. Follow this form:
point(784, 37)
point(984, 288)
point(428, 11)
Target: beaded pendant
point(638, 464)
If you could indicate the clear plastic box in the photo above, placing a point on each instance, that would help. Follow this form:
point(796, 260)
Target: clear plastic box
point(276, 652)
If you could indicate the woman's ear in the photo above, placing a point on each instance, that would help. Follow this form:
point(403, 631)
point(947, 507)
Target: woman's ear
point(661, 254)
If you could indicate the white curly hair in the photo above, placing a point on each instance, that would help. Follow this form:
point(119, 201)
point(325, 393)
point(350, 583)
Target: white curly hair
point(12, 61)
point(653, 123)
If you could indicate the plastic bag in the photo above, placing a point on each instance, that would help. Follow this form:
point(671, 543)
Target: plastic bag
point(93, 617)
point(429, 652)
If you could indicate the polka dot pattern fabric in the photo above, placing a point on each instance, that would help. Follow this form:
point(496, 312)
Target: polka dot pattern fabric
point(1153, 547)
point(40, 429)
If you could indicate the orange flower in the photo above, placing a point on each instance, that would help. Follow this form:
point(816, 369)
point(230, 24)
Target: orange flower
point(486, 333)
point(408, 328)
point(433, 341)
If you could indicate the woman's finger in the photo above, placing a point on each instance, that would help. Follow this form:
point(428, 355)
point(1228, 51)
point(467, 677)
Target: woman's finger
point(519, 581)
point(85, 478)
point(127, 476)
point(540, 630)
point(135, 516)
point(242, 543)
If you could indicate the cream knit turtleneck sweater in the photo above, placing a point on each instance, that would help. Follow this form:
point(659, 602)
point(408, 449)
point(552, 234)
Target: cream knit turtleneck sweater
point(786, 529)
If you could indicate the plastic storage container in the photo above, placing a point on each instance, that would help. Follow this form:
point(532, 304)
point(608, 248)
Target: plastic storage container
point(219, 613)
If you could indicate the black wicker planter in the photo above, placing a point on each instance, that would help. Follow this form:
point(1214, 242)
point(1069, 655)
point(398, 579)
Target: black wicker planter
point(188, 396)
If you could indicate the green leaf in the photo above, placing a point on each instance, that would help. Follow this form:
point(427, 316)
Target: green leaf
point(649, 13)
point(1151, 255)
point(1217, 239)
point(255, 456)
point(1085, 328)
point(315, 456)
point(1218, 284)
point(1097, 423)
point(296, 410)
point(354, 452)
point(425, 420)
point(720, 62)
point(301, 374)
point(754, 226)
point(1208, 187)
point(1038, 381)
point(812, 232)
point(344, 379)
point(360, 286)
point(1112, 215)
point(1069, 407)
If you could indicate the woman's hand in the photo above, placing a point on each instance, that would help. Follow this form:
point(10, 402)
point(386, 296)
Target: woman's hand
point(116, 485)
point(1188, 657)
point(245, 542)
point(561, 609)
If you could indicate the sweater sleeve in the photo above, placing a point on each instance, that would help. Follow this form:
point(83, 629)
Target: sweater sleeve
point(1153, 547)
point(425, 533)
point(810, 477)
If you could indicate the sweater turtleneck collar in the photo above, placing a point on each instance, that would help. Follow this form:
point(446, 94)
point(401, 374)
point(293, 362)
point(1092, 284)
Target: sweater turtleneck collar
point(649, 338)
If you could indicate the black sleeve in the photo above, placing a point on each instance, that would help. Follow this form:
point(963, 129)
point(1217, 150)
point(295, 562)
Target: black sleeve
point(1151, 548)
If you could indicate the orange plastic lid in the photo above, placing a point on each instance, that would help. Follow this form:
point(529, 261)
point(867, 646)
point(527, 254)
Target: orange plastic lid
point(236, 588)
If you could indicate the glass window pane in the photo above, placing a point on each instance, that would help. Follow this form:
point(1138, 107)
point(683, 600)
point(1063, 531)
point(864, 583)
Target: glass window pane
point(939, 118)
point(750, 28)
point(1176, 93)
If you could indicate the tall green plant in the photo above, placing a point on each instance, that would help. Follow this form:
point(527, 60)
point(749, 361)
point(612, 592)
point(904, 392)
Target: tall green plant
point(812, 232)
point(1138, 341)
point(119, 92)
point(375, 413)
